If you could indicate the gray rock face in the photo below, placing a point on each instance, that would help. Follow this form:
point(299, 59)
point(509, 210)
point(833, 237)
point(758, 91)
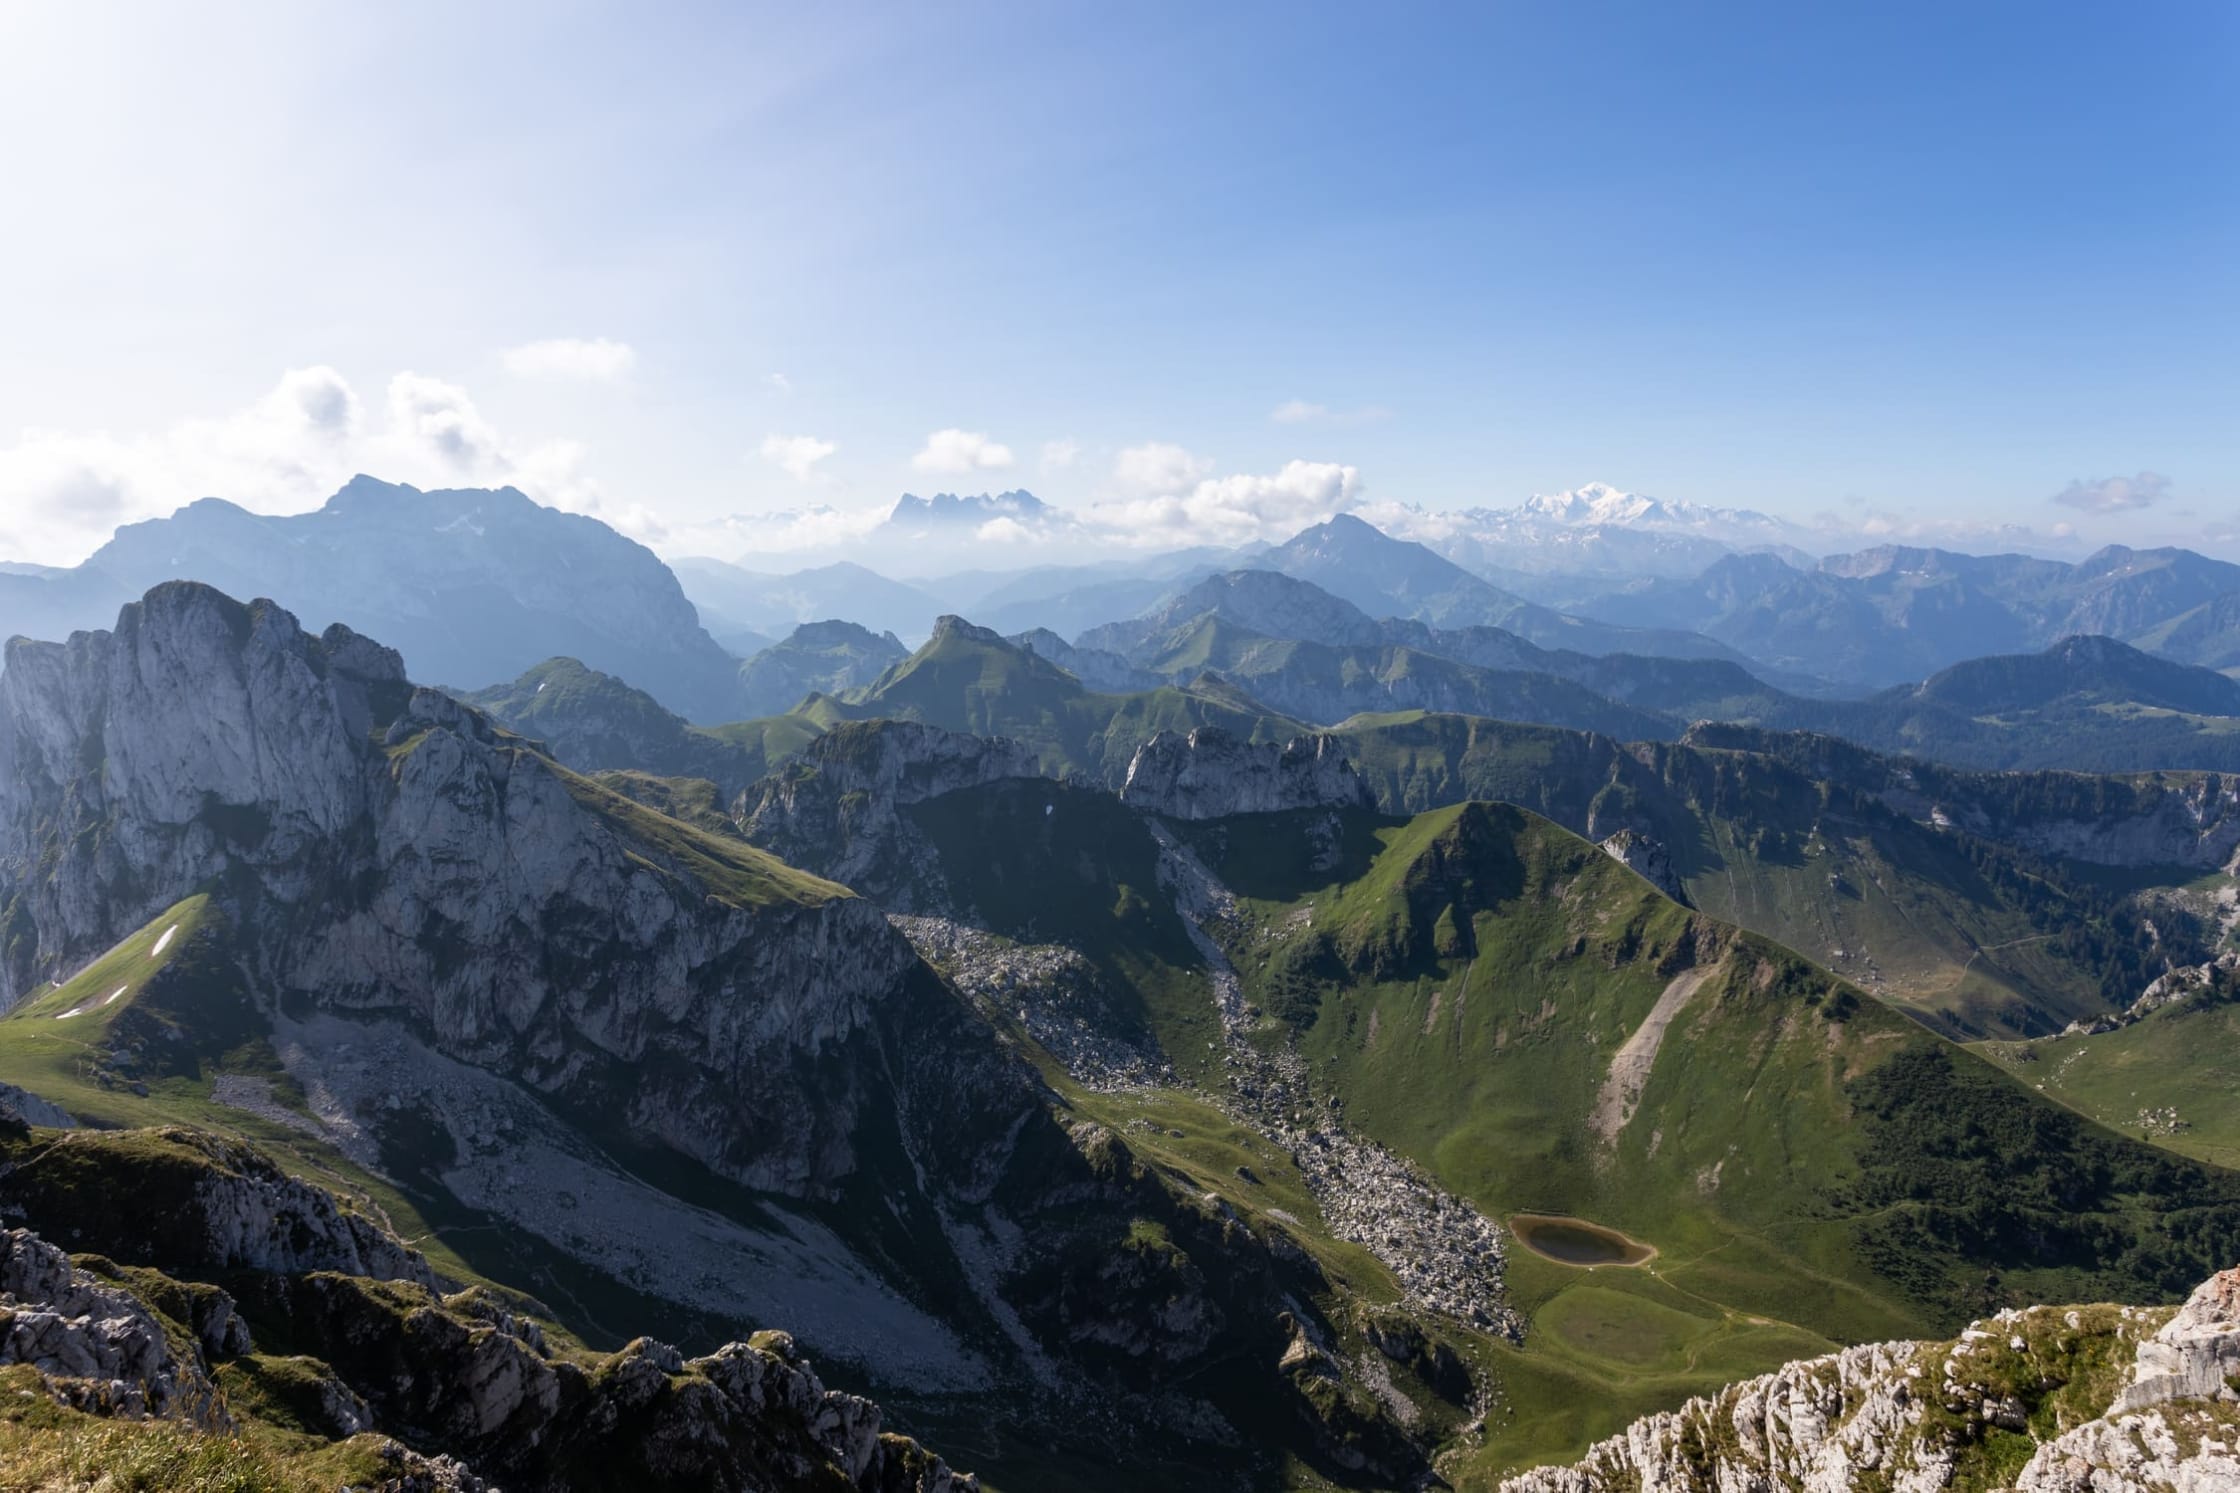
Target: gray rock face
point(2133, 822)
point(385, 851)
point(98, 1346)
point(1826, 1425)
point(1210, 774)
point(469, 1378)
point(1646, 857)
point(248, 1214)
point(767, 1377)
point(2194, 1355)
point(32, 1110)
point(835, 810)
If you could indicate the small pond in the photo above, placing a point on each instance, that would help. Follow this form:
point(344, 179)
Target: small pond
point(1574, 1241)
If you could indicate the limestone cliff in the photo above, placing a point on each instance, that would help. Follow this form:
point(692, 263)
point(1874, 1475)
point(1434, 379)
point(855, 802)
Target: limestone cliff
point(836, 808)
point(386, 852)
point(1210, 774)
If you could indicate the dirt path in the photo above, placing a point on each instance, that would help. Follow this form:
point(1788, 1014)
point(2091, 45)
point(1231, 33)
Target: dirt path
point(1629, 1070)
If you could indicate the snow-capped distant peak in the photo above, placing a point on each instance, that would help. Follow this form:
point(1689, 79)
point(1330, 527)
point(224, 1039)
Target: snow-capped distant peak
point(972, 508)
point(1596, 503)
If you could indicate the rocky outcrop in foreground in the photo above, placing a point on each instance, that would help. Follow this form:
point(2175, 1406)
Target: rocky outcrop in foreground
point(2115, 1398)
point(97, 1345)
point(470, 1387)
point(1210, 774)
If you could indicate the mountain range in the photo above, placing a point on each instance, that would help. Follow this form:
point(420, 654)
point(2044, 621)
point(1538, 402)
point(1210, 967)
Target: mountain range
point(1890, 614)
point(472, 585)
point(1330, 1022)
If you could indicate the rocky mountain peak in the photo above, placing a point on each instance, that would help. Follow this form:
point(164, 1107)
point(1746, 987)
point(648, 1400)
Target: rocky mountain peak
point(1210, 774)
point(521, 916)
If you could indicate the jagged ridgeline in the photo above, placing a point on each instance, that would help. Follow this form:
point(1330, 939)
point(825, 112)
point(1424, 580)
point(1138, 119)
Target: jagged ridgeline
point(265, 899)
point(1207, 1114)
point(1771, 1160)
point(1992, 904)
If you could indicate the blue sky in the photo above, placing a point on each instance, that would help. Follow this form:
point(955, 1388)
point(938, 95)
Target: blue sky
point(1932, 262)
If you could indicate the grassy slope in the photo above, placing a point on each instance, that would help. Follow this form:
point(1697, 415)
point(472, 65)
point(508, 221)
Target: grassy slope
point(2172, 1079)
point(1478, 967)
point(1974, 937)
point(737, 872)
point(47, 1448)
point(1608, 1344)
point(62, 1061)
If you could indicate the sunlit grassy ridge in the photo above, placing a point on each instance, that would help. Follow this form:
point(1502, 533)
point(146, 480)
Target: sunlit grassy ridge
point(1811, 1166)
point(1973, 934)
point(727, 867)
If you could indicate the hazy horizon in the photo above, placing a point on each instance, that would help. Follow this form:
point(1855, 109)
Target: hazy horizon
point(1920, 273)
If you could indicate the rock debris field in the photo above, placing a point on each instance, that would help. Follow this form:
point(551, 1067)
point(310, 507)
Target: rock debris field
point(1446, 1255)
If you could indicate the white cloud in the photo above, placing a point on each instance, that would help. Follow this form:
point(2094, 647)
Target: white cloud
point(1157, 467)
point(598, 359)
point(2115, 494)
point(1303, 412)
point(62, 493)
point(1059, 454)
point(1006, 530)
point(442, 419)
point(796, 455)
point(778, 382)
point(961, 451)
point(1234, 510)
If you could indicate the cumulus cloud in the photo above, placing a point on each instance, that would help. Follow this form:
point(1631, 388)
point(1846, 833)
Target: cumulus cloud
point(778, 383)
point(597, 359)
point(1005, 530)
point(1059, 454)
point(1234, 510)
point(441, 418)
point(796, 455)
point(961, 451)
point(1158, 468)
point(2115, 494)
point(63, 492)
